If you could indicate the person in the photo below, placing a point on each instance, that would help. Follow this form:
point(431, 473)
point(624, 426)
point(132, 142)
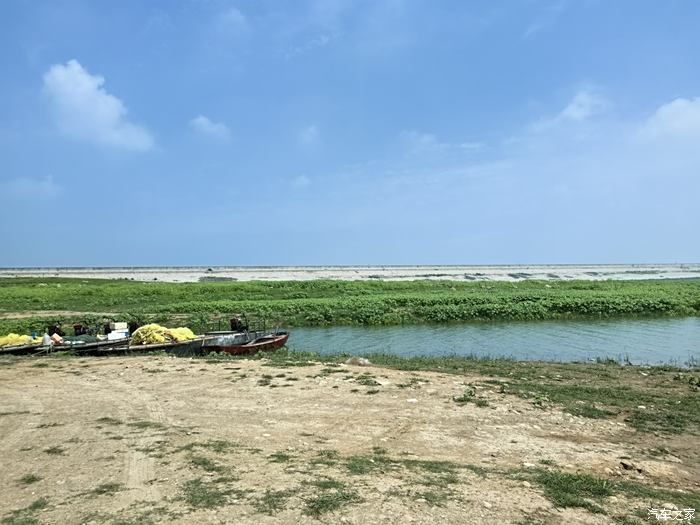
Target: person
point(56, 329)
point(237, 324)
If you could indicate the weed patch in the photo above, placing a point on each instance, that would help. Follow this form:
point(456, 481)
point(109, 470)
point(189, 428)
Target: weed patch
point(272, 501)
point(28, 479)
point(27, 515)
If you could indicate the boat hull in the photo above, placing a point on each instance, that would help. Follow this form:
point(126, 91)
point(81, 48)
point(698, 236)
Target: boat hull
point(265, 343)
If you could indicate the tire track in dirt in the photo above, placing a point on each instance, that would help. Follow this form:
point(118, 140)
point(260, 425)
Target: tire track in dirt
point(23, 411)
point(138, 406)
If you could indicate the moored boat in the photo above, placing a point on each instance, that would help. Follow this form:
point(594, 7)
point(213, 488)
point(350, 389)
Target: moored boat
point(23, 349)
point(189, 347)
point(244, 342)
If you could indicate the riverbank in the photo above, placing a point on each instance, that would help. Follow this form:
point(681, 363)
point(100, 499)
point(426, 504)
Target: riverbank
point(297, 438)
point(326, 303)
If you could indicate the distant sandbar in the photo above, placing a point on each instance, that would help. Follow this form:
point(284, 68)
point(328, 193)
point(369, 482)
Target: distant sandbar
point(385, 273)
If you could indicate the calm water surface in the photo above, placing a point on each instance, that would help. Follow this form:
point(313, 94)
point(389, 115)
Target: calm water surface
point(651, 341)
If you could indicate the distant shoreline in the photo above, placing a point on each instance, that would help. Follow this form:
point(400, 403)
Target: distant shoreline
point(512, 273)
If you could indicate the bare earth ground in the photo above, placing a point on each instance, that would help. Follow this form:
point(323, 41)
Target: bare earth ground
point(172, 440)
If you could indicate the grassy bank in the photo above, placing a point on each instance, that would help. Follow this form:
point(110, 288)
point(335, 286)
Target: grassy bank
point(316, 303)
point(648, 398)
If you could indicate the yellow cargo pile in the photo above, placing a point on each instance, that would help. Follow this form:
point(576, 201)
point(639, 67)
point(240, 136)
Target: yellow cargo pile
point(154, 333)
point(17, 340)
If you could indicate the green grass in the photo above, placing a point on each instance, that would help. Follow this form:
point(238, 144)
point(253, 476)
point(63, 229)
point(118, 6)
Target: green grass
point(272, 501)
point(27, 515)
point(109, 421)
point(146, 425)
point(327, 483)
point(434, 498)
point(28, 479)
point(55, 451)
point(329, 501)
point(207, 464)
point(219, 446)
point(280, 457)
point(574, 490)
point(108, 489)
point(466, 397)
point(314, 303)
point(200, 494)
point(367, 379)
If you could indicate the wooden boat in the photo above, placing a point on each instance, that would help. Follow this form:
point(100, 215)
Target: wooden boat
point(244, 342)
point(191, 347)
point(23, 349)
point(89, 347)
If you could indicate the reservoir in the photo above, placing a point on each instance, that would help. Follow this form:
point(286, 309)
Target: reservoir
point(639, 341)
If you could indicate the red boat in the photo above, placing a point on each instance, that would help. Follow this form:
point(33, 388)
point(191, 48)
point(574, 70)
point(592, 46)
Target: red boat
point(244, 342)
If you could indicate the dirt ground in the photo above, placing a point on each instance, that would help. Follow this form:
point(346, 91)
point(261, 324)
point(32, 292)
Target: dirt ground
point(126, 440)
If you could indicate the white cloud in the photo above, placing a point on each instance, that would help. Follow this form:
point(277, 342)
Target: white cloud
point(84, 110)
point(678, 119)
point(418, 142)
point(312, 44)
point(205, 126)
point(585, 104)
point(309, 135)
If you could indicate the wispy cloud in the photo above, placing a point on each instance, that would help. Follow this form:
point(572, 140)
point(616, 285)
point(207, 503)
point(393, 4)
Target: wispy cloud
point(545, 18)
point(301, 181)
point(31, 188)
point(418, 142)
point(585, 104)
point(309, 135)
point(231, 21)
point(206, 127)
point(316, 42)
point(83, 110)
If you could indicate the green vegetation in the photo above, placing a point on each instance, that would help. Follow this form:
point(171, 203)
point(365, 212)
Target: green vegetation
point(280, 457)
point(272, 501)
point(28, 479)
point(107, 489)
point(207, 464)
point(314, 303)
point(329, 500)
point(145, 425)
point(574, 490)
point(109, 421)
point(201, 494)
point(27, 515)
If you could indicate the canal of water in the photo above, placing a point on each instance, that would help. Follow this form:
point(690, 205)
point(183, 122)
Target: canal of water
point(639, 341)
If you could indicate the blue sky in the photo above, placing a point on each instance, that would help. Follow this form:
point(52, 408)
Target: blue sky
point(349, 132)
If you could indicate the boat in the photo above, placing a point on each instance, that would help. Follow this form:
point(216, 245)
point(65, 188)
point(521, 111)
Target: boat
point(23, 349)
point(182, 348)
point(80, 347)
point(244, 342)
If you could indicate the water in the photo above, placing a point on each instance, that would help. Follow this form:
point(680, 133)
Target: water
point(641, 341)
